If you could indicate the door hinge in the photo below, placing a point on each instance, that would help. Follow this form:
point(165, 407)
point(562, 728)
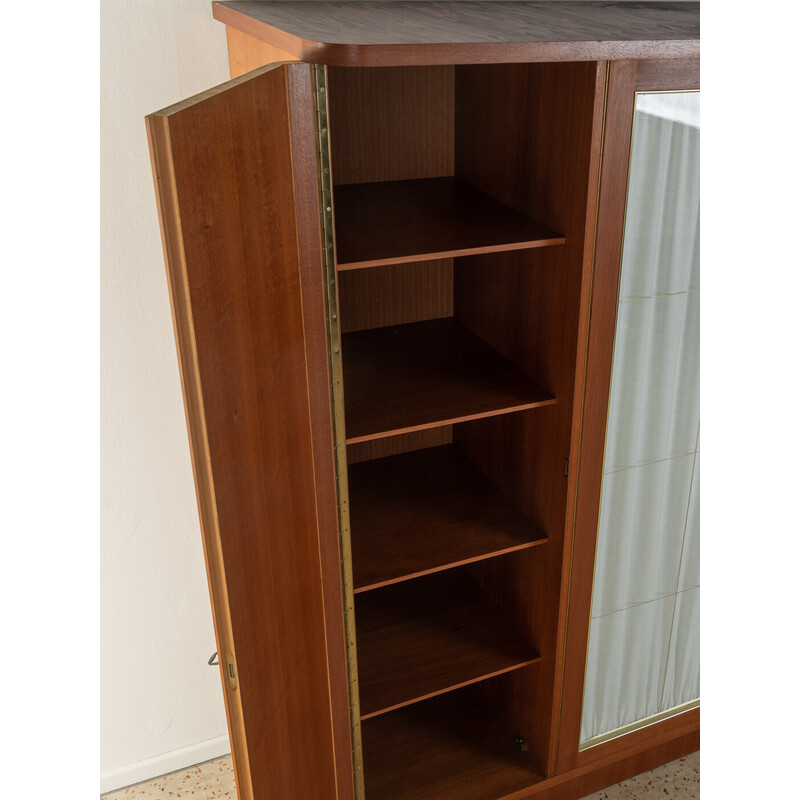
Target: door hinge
point(566, 469)
point(230, 674)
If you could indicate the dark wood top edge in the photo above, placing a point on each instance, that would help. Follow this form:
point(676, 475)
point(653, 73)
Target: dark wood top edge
point(430, 54)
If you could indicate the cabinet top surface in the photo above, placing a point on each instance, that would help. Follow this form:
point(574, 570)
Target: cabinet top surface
point(353, 33)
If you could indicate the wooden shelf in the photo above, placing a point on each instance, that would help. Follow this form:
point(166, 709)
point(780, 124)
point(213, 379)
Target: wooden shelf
point(418, 220)
point(426, 511)
point(429, 636)
point(454, 747)
point(426, 374)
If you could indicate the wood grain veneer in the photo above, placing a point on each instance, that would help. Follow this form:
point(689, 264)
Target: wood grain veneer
point(617, 764)
point(671, 727)
point(426, 511)
point(246, 53)
point(534, 144)
point(402, 443)
point(667, 76)
point(390, 124)
point(400, 221)
point(428, 636)
point(459, 747)
point(424, 375)
point(405, 33)
point(454, 747)
point(395, 294)
point(259, 419)
point(611, 210)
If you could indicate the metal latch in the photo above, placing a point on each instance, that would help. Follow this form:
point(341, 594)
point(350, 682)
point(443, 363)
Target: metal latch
point(231, 675)
point(230, 672)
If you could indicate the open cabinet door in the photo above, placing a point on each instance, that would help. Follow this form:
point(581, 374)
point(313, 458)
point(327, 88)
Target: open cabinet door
point(236, 180)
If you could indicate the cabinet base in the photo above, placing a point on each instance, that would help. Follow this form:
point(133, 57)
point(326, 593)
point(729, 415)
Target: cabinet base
point(618, 761)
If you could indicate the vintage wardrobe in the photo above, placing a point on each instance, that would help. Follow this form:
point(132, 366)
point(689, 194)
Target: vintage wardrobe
point(395, 254)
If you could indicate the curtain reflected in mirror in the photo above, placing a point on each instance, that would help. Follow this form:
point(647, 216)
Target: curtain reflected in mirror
point(643, 656)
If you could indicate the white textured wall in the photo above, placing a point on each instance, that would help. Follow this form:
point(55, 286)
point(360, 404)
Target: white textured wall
point(158, 695)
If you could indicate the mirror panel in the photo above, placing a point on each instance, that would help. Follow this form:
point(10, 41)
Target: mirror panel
point(643, 651)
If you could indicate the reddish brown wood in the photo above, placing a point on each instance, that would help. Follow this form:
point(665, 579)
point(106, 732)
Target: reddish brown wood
point(403, 443)
point(590, 227)
point(399, 221)
point(429, 636)
point(458, 747)
point(454, 747)
point(618, 765)
point(676, 726)
point(424, 375)
point(589, 466)
point(395, 294)
point(426, 511)
point(359, 34)
point(309, 246)
point(246, 53)
point(533, 142)
point(254, 414)
point(390, 123)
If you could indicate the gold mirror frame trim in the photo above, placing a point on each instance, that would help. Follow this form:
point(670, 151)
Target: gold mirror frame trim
point(635, 726)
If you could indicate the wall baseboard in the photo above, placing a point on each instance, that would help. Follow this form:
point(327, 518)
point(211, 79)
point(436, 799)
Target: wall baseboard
point(161, 765)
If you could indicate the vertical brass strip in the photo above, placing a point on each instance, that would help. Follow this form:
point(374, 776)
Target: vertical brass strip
point(319, 81)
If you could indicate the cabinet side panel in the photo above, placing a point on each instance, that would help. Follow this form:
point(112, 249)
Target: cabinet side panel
point(611, 212)
point(246, 53)
point(238, 213)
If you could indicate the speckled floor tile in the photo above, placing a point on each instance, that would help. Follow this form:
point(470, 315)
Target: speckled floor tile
point(212, 780)
point(678, 780)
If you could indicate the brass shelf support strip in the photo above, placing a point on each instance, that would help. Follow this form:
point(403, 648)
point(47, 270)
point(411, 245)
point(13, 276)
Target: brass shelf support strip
point(319, 80)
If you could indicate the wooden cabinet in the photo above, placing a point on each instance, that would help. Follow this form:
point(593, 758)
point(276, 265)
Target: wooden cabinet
point(393, 260)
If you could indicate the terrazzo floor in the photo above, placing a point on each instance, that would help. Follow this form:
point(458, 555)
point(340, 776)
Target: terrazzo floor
point(678, 780)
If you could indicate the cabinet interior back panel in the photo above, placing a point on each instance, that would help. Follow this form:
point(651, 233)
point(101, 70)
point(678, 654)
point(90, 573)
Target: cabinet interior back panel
point(391, 123)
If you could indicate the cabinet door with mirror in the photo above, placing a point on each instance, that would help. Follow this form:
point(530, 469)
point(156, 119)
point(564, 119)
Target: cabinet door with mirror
point(643, 654)
point(633, 641)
